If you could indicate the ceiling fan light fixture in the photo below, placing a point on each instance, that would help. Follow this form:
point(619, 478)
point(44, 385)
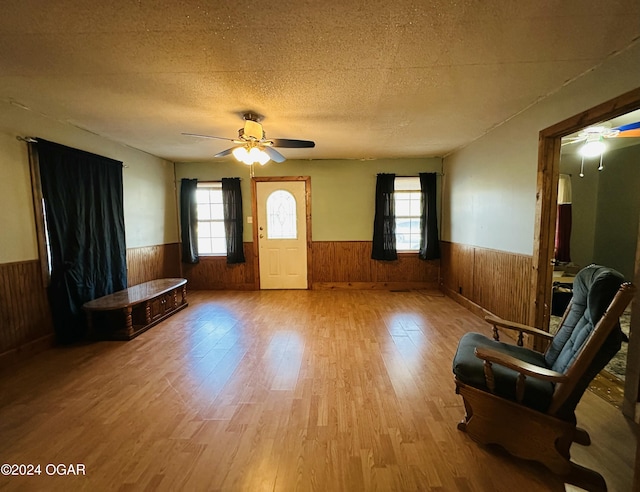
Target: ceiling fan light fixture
point(593, 148)
point(241, 154)
point(254, 155)
point(258, 155)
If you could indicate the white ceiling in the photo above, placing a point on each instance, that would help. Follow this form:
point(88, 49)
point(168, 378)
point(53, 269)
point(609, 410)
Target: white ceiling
point(363, 79)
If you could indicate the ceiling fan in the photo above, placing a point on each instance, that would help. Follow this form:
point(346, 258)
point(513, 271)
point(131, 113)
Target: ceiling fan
point(594, 136)
point(599, 132)
point(252, 145)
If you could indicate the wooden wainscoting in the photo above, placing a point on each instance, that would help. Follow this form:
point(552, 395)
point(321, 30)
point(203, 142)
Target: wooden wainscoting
point(336, 265)
point(153, 262)
point(487, 280)
point(348, 264)
point(26, 326)
point(213, 273)
point(25, 318)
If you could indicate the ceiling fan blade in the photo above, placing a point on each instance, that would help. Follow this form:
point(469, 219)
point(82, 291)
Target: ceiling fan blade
point(572, 140)
point(631, 130)
point(207, 136)
point(224, 153)
point(274, 155)
point(630, 126)
point(634, 132)
point(292, 144)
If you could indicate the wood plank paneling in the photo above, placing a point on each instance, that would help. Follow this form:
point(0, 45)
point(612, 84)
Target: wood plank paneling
point(494, 281)
point(350, 263)
point(336, 264)
point(502, 282)
point(213, 273)
point(25, 318)
point(153, 262)
point(342, 261)
point(457, 268)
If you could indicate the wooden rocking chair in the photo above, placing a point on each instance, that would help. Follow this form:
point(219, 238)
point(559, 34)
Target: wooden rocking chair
point(525, 400)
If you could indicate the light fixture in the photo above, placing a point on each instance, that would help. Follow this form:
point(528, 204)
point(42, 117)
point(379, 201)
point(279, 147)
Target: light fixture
point(249, 155)
point(593, 148)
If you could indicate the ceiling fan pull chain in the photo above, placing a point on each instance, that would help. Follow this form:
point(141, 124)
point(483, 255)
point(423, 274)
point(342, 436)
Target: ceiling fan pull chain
point(601, 167)
point(582, 168)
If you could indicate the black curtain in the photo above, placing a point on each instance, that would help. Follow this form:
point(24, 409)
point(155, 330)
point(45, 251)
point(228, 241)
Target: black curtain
point(83, 201)
point(429, 242)
point(232, 202)
point(189, 220)
point(384, 222)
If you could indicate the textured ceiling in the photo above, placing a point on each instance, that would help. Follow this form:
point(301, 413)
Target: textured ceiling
point(363, 79)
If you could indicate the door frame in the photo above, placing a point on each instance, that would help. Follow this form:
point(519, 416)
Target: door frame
point(549, 141)
point(254, 212)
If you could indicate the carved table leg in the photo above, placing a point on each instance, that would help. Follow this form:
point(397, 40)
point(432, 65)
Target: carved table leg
point(128, 321)
point(147, 312)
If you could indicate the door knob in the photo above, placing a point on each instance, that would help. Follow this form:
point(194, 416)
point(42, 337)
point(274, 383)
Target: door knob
point(261, 236)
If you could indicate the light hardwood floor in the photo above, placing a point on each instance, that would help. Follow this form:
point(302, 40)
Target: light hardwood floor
point(276, 390)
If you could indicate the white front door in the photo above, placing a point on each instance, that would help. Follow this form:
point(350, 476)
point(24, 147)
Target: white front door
point(282, 234)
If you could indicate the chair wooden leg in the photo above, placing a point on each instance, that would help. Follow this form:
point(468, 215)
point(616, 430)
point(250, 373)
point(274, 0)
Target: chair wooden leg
point(523, 432)
point(582, 437)
point(468, 413)
point(586, 479)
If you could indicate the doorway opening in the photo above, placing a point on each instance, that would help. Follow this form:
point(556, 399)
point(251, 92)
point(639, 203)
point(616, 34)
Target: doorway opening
point(598, 209)
point(549, 157)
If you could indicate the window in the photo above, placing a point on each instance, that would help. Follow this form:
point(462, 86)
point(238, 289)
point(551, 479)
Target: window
point(407, 213)
point(281, 215)
point(211, 237)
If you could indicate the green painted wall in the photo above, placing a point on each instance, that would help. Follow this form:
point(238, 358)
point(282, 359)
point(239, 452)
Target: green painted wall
point(342, 191)
point(606, 209)
point(618, 210)
point(489, 195)
point(584, 206)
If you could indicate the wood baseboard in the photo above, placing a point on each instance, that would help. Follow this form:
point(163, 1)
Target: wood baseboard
point(479, 311)
point(29, 349)
point(374, 285)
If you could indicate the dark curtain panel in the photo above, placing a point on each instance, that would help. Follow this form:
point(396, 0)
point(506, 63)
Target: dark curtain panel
point(232, 201)
point(563, 233)
point(85, 223)
point(189, 220)
point(429, 242)
point(384, 222)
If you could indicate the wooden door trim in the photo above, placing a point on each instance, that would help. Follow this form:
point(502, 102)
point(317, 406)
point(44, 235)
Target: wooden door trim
point(254, 212)
point(549, 142)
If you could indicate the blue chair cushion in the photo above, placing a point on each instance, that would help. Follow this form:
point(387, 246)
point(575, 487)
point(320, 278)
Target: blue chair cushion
point(469, 369)
point(593, 290)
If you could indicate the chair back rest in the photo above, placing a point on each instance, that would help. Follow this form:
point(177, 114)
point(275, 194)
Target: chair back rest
point(589, 335)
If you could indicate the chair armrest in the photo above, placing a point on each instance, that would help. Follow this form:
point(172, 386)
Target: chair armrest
point(511, 325)
point(520, 366)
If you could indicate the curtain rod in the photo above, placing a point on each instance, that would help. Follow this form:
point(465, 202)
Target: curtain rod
point(35, 140)
point(26, 139)
point(415, 175)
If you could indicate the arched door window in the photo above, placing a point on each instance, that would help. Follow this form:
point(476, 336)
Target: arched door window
point(281, 216)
